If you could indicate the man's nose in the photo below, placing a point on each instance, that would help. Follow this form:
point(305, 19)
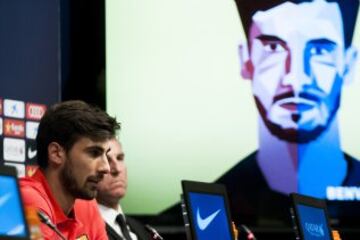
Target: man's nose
point(114, 166)
point(104, 166)
point(296, 75)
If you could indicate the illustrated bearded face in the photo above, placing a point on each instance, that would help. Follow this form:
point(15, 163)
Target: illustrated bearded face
point(297, 65)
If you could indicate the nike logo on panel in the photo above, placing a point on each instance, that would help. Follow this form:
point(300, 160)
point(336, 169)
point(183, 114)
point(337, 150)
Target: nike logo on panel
point(31, 153)
point(203, 223)
point(4, 199)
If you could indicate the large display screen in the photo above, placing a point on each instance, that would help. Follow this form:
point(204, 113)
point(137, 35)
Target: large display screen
point(261, 96)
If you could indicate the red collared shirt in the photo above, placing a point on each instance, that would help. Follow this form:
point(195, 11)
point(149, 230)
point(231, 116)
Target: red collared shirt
point(85, 221)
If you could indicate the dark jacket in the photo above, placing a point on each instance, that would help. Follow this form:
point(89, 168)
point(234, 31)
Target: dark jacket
point(135, 227)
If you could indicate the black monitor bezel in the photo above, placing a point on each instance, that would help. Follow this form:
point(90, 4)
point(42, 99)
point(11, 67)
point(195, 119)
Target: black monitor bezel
point(10, 171)
point(299, 199)
point(205, 188)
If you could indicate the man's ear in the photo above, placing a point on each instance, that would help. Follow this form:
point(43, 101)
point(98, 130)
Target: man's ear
point(245, 63)
point(56, 154)
point(350, 64)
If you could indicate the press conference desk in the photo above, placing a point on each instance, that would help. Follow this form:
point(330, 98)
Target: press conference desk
point(178, 233)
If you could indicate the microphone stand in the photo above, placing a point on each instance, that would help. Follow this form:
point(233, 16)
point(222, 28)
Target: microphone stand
point(154, 234)
point(46, 220)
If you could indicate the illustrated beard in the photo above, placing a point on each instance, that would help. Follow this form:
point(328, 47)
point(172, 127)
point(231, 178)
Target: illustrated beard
point(295, 135)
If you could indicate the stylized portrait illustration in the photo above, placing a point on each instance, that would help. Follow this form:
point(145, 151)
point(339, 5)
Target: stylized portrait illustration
point(298, 56)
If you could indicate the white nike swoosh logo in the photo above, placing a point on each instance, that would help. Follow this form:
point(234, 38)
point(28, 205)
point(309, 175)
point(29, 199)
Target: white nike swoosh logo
point(4, 199)
point(204, 222)
point(18, 229)
point(31, 153)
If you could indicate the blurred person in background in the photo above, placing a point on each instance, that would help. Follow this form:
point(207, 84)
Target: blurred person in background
point(111, 190)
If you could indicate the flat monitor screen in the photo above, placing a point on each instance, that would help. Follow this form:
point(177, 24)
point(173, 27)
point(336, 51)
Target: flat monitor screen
point(310, 218)
point(313, 223)
point(207, 211)
point(13, 224)
point(209, 216)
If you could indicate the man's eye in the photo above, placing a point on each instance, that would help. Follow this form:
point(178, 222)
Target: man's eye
point(273, 47)
point(95, 153)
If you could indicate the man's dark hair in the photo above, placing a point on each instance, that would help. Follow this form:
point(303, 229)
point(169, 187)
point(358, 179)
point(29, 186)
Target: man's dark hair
point(68, 121)
point(348, 9)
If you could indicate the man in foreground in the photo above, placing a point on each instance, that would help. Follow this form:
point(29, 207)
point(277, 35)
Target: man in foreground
point(110, 190)
point(72, 144)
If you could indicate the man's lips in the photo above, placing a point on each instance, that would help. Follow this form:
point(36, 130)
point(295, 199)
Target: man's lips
point(95, 180)
point(119, 183)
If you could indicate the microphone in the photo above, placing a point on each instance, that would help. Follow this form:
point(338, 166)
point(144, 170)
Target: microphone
point(46, 220)
point(247, 231)
point(154, 234)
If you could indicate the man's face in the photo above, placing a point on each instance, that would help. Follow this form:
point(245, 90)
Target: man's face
point(113, 187)
point(85, 166)
point(297, 65)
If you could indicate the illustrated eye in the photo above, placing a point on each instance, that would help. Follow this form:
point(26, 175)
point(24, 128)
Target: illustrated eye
point(321, 47)
point(319, 50)
point(273, 47)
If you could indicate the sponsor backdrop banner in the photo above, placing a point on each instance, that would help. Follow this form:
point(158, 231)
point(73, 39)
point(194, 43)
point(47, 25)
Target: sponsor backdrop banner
point(29, 76)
